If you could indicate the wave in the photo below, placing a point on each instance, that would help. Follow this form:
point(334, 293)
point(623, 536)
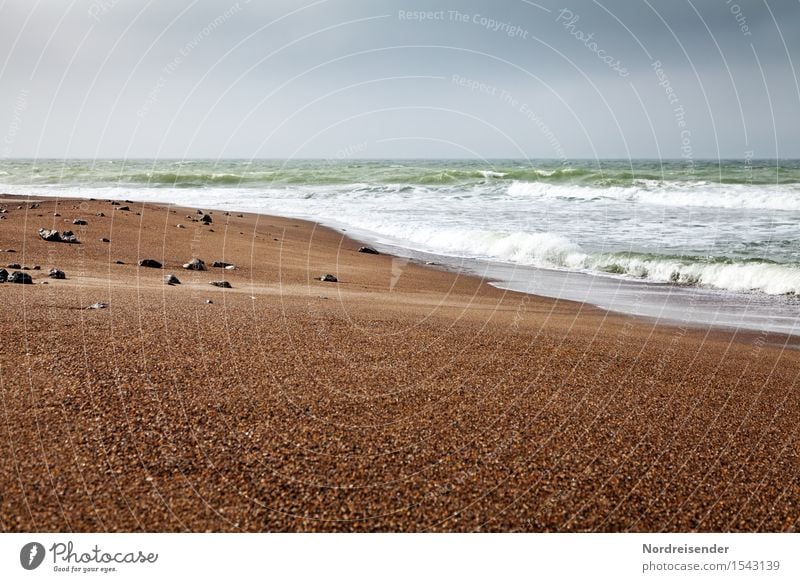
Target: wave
point(685, 195)
point(554, 251)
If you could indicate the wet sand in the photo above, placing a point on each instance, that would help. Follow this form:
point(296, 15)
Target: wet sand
point(401, 398)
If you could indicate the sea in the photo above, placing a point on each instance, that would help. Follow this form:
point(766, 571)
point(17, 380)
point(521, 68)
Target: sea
point(702, 242)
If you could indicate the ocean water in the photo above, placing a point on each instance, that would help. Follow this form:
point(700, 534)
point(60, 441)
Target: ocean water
point(728, 226)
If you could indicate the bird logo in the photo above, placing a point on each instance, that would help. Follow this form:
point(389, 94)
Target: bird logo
point(31, 555)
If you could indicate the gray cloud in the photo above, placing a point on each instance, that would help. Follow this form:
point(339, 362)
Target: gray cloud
point(279, 79)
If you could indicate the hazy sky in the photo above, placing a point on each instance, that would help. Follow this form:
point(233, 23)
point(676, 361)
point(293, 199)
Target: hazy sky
point(346, 78)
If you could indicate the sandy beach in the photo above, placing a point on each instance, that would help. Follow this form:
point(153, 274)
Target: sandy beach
point(400, 398)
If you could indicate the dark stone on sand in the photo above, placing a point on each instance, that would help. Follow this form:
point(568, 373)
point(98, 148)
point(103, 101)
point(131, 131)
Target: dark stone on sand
point(80, 222)
point(104, 240)
point(101, 214)
point(20, 277)
point(195, 265)
point(368, 250)
point(209, 302)
point(57, 274)
point(14, 266)
point(56, 214)
point(119, 262)
point(329, 278)
point(172, 280)
point(54, 236)
point(221, 264)
point(98, 305)
point(37, 268)
point(223, 284)
point(114, 203)
point(125, 208)
point(11, 251)
point(206, 219)
point(152, 263)
point(3, 275)
point(49, 235)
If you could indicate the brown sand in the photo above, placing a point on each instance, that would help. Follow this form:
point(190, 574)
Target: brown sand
point(401, 398)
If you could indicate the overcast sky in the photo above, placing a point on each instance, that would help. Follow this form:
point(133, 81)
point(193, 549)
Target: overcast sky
point(473, 78)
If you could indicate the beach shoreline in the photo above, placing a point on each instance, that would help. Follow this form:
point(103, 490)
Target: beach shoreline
point(399, 398)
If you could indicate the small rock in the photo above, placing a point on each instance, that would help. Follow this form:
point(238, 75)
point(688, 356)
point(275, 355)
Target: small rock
point(152, 263)
point(57, 274)
point(114, 203)
point(181, 226)
point(80, 222)
point(54, 236)
point(206, 219)
point(104, 240)
point(230, 267)
point(124, 208)
point(221, 264)
point(368, 250)
point(20, 277)
point(100, 214)
point(14, 266)
point(195, 265)
point(37, 268)
point(49, 235)
point(329, 278)
point(56, 214)
point(11, 251)
point(119, 262)
point(98, 305)
point(172, 280)
point(223, 284)
point(3, 275)
point(34, 205)
point(68, 237)
point(209, 302)
point(240, 216)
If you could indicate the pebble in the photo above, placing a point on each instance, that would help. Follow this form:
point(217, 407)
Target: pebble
point(104, 240)
point(206, 219)
point(57, 274)
point(368, 250)
point(329, 278)
point(152, 263)
point(3, 275)
point(20, 277)
point(181, 226)
point(54, 236)
point(223, 284)
point(80, 222)
point(195, 265)
point(14, 266)
point(221, 264)
point(172, 280)
point(98, 305)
